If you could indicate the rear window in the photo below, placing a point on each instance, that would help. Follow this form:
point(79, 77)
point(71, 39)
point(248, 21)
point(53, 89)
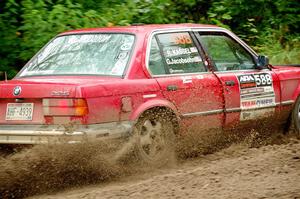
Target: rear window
point(82, 54)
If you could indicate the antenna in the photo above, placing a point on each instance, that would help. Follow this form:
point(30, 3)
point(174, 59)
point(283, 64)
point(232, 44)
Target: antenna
point(3, 76)
point(137, 24)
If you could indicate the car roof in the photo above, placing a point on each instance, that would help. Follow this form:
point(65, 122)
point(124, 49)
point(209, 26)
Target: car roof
point(139, 28)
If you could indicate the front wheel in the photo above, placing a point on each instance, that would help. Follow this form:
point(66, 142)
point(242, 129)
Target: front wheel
point(155, 138)
point(296, 116)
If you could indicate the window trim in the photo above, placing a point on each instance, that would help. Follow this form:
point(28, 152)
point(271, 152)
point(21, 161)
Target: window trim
point(174, 30)
point(160, 49)
point(182, 74)
point(198, 35)
point(244, 70)
point(226, 33)
point(230, 34)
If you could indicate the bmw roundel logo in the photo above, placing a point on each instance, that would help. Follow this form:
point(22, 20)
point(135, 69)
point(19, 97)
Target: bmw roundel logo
point(17, 90)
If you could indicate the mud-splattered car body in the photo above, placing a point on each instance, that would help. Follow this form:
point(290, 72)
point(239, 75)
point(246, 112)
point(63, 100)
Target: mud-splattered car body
point(177, 68)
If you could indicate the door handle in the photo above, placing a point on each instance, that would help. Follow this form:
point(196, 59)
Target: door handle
point(172, 88)
point(229, 83)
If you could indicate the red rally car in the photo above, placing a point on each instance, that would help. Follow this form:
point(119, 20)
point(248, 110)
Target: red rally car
point(148, 81)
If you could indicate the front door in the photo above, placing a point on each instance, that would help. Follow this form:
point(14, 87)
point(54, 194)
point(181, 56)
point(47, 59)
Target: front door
point(249, 93)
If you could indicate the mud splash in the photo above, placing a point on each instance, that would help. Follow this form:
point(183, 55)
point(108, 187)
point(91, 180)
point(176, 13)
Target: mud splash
point(47, 168)
point(50, 168)
point(196, 143)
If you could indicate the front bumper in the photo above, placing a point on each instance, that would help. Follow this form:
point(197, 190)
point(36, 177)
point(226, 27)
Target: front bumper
point(43, 134)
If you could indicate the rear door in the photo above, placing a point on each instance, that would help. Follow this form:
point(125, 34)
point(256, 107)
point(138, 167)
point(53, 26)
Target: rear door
point(177, 65)
point(249, 93)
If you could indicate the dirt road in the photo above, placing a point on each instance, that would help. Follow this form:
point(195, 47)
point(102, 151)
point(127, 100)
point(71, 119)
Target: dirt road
point(257, 167)
point(236, 172)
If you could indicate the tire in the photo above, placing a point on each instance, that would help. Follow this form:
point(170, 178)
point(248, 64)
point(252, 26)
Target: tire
point(296, 116)
point(155, 138)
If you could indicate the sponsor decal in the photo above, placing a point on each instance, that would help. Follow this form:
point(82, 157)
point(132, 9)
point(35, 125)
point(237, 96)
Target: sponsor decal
point(248, 85)
point(180, 51)
point(248, 104)
point(149, 96)
point(257, 103)
point(256, 114)
point(183, 39)
point(252, 90)
point(187, 79)
point(255, 80)
point(122, 55)
point(171, 61)
point(256, 91)
point(126, 46)
point(200, 77)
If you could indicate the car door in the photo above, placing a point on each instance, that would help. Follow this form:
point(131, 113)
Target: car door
point(249, 93)
point(177, 65)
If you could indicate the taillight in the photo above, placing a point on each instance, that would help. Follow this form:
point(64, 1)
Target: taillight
point(65, 107)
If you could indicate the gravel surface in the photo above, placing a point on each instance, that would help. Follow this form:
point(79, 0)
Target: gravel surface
point(236, 172)
point(260, 166)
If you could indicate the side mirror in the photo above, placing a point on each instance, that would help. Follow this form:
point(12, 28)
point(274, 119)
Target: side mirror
point(3, 76)
point(263, 62)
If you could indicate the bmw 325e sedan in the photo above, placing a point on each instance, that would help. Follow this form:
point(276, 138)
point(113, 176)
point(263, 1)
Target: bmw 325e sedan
point(149, 81)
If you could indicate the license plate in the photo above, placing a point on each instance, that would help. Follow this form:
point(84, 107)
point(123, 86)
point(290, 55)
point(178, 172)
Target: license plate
point(19, 111)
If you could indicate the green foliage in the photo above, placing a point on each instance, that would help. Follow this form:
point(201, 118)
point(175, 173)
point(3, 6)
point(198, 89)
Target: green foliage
point(278, 50)
point(270, 26)
point(9, 38)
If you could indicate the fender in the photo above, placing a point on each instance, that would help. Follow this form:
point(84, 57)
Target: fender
point(297, 90)
point(296, 93)
point(151, 104)
point(289, 77)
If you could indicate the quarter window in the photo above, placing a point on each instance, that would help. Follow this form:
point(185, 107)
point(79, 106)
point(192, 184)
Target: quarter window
point(226, 53)
point(156, 64)
point(174, 53)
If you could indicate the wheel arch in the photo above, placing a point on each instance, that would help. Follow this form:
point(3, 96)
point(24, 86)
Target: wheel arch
point(295, 114)
point(157, 105)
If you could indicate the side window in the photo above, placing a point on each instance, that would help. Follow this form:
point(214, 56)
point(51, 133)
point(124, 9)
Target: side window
point(156, 64)
point(226, 53)
point(174, 53)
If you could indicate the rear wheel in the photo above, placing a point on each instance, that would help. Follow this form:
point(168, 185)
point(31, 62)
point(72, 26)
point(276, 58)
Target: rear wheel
point(296, 116)
point(154, 133)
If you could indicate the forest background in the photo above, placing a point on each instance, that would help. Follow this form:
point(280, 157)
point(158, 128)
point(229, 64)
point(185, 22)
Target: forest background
point(271, 27)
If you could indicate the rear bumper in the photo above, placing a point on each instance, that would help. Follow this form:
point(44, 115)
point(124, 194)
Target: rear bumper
point(43, 134)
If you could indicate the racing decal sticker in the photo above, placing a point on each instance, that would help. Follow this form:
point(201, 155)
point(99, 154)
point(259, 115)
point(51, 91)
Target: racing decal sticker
point(187, 79)
point(183, 39)
point(181, 55)
point(256, 114)
point(126, 46)
point(180, 51)
point(256, 91)
point(200, 77)
point(183, 60)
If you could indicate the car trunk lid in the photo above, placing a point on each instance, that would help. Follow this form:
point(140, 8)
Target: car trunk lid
point(40, 100)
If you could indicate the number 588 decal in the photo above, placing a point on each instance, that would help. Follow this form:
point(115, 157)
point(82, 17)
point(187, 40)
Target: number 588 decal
point(264, 79)
point(255, 80)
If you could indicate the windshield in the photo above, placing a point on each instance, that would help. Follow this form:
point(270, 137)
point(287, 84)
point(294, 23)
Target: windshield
point(82, 54)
